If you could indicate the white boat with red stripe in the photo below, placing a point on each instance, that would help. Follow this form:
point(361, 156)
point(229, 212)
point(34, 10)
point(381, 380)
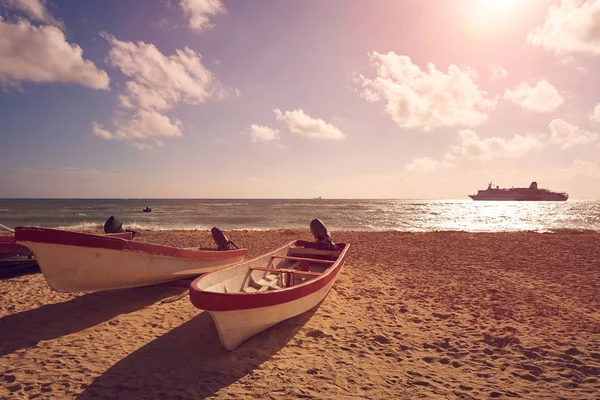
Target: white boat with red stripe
point(80, 262)
point(250, 297)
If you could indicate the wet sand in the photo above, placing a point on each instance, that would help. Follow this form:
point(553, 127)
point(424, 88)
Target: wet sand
point(413, 315)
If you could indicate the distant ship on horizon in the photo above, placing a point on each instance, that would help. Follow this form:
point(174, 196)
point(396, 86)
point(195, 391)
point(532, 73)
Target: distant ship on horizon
point(532, 193)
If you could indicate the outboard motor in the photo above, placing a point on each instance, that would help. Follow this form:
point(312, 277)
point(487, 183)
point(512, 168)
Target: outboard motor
point(221, 240)
point(322, 236)
point(113, 225)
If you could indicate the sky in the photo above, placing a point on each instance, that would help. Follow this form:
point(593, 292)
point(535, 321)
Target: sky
point(298, 99)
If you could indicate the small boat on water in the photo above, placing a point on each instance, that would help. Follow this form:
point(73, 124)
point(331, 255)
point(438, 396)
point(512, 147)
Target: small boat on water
point(79, 262)
point(252, 296)
point(147, 209)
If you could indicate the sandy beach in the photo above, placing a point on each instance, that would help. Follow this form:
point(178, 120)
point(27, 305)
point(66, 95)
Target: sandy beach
point(413, 315)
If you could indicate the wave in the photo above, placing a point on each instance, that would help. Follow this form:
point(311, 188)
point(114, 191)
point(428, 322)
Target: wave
point(575, 231)
point(83, 226)
point(87, 226)
point(225, 204)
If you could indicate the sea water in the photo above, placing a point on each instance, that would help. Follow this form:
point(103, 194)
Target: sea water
point(261, 214)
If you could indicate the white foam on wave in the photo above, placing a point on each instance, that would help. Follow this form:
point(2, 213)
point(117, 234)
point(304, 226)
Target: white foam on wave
point(83, 226)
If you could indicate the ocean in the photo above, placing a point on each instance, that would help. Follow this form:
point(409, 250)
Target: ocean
point(262, 214)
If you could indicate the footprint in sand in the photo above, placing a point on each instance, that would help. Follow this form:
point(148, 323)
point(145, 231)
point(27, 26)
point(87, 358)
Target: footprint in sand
point(381, 339)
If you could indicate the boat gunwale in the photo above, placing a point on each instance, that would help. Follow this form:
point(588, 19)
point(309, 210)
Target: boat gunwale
point(235, 301)
point(90, 240)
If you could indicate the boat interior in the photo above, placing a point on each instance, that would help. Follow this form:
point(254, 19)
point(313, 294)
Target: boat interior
point(290, 267)
point(298, 266)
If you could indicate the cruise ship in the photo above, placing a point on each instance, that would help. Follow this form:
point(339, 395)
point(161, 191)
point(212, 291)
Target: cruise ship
point(532, 193)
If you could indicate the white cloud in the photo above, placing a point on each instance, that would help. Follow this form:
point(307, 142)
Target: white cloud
point(300, 123)
point(160, 82)
point(543, 97)
point(141, 146)
point(572, 26)
point(497, 72)
point(570, 62)
point(103, 133)
point(595, 115)
point(262, 133)
point(426, 99)
point(199, 12)
point(42, 54)
point(35, 10)
point(566, 135)
point(144, 124)
point(473, 147)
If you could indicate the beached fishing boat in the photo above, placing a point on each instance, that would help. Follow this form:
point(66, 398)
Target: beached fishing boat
point(77, 262)
point(16, 258)
point(250, 297)
point(8, 247)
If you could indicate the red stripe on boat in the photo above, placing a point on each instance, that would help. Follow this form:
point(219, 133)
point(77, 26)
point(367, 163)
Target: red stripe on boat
point(68, 238)
point(214, 301)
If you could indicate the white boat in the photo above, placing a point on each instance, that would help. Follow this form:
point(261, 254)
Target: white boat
point(79, 262)
point(252, 296)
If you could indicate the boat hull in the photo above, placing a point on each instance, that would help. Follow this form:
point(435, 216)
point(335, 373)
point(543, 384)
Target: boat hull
point(72, 262)
point(239, 315)
point(81, 269)
point(235, 327)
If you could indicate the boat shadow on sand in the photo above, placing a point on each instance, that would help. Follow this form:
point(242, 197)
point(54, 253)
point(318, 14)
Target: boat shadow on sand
point(190, 362)
point(27, 328)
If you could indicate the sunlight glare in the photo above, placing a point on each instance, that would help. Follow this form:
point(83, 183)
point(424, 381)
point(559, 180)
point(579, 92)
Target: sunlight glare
point(488, 15)
point(499, 4)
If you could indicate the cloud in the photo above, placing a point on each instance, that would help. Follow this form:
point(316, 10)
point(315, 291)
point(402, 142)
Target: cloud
point(497, 72)
point(199, 12)
point(42, 54)
point(571, 27)
point(144, 124)
point(570, 62)
point(543, 97)
point(425, 99)
point(566, 135)
point(471, 146)
point(300, 123)
point(141, 146)
point(595, 115)
point(263, 133)
point(160, 82)
point(35, 10)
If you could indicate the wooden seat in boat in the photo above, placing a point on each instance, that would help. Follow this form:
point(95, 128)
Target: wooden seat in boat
point(267, 282)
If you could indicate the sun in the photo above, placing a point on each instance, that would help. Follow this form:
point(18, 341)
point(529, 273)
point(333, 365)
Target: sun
point(488, 15)
point(499, 4)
